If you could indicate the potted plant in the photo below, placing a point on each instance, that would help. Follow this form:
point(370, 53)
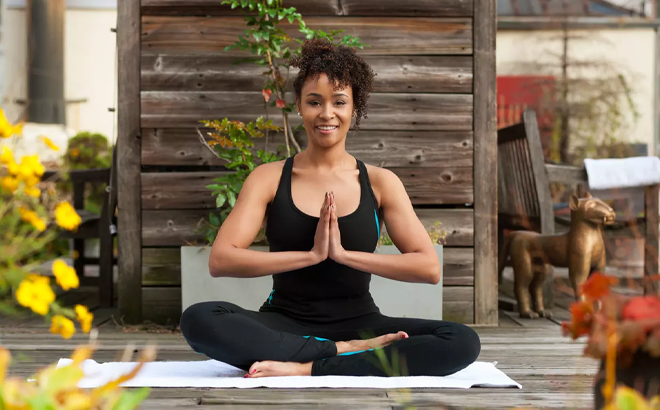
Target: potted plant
point(623, 332)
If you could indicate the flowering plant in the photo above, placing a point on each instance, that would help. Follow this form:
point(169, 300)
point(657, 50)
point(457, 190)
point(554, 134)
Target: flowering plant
point(29, 220)
point(618, 327)
point(55, 388)
point(635, 321)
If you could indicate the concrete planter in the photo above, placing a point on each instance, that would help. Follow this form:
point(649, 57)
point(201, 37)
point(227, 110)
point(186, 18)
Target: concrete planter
point(394, 298)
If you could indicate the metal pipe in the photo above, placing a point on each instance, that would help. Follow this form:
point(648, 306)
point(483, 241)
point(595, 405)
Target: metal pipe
point(46, 61)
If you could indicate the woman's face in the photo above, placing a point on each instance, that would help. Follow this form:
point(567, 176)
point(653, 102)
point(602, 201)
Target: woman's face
point(326, 113)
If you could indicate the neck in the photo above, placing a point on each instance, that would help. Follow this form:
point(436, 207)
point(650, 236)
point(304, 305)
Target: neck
point(326, 157)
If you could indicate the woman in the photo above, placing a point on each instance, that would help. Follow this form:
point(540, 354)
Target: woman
point(324, 213)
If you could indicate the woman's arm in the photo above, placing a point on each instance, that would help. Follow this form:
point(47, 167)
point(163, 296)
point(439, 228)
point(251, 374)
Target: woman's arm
point(229, 254)
point(418, 261)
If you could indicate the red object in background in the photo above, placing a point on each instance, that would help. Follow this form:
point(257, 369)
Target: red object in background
point(515, 93)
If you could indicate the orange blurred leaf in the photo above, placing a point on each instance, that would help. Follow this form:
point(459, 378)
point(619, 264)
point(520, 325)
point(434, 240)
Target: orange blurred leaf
point(597, 286)
point(642, 307)
point(266, 94)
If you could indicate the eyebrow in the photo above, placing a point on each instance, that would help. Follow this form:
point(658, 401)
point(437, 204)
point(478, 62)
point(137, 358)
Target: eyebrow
point(319, 95)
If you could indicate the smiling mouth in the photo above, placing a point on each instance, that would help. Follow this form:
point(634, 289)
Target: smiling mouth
point(327, 128)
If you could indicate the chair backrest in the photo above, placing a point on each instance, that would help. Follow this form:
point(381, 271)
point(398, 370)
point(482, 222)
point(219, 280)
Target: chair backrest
point(523, 186)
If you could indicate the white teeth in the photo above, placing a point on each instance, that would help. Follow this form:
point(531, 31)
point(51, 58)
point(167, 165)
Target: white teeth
point(327, 128)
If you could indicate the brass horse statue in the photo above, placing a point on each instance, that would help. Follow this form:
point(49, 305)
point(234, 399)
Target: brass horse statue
point(581, 250)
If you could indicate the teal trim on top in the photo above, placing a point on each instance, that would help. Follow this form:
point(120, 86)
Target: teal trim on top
point(270, 297)
point(377, 223)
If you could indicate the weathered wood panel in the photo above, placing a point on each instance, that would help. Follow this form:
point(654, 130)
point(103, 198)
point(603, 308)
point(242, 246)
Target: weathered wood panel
point(422, 8)
point(458, 304)
point(187, 190)
point(485, 164)
point(181, 147)
point(161, 266)
point(163, 304)
point(180, 227)
point(128, 160)
point(427, 74)
point(383, 35)
point(387, 111)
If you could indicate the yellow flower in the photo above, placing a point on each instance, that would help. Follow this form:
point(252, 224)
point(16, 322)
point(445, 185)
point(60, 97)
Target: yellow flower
point(32, 217)
point(32, 191)
point(12, 167)
point(36, 295)
point(66, 217)
point(74, 152)
point(32, 180)
point(7, 157)
point(6, 129)
point(30, 167)
point(84, 317)
point(62, 326)
point(65, 275)
point(50, 143)
point(9, 183)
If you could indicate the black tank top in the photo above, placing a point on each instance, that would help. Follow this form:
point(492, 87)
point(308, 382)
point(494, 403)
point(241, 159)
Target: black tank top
point(328, 291)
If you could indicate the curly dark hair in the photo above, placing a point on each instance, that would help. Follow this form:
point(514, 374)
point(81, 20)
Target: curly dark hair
point(342, 66)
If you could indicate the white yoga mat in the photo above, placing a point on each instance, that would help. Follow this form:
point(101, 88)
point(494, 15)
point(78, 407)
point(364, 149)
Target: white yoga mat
point(612, 173)
point(212, 373)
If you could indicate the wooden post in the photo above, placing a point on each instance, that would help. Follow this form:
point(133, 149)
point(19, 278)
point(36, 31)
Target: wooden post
point(651, 238)
point(485, 165)
point(129, 223)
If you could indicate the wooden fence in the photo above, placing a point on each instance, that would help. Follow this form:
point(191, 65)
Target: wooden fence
point(431, 121)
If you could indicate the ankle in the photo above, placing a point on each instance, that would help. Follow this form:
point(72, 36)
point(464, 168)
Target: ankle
point(343, 347)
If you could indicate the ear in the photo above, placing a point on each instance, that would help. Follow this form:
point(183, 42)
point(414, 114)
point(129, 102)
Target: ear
point(574, 202)
point(588, 195)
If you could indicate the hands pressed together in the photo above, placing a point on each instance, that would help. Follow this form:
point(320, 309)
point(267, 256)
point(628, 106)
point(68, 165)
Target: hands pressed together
point(327, 240)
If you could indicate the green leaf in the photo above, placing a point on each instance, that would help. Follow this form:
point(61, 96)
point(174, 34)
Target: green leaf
point(213, 220)
point(232, 198)
point(257, 35)
point(244, 3)
point(220, 200)
point(131, 399)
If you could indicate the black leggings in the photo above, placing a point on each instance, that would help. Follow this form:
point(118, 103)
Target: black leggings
point(228, 333)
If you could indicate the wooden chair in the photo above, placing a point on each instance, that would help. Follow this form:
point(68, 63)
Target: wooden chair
point(102, 226)
point(524, 198)
point(523, 193)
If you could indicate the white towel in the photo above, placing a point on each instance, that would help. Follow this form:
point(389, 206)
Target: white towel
point(212, 373)
point(612, 173)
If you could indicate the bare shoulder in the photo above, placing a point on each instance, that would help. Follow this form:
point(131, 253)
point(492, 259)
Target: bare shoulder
point(265, 178)
point(384, 183)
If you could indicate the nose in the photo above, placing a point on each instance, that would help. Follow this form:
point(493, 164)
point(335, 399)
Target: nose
point(326, 113)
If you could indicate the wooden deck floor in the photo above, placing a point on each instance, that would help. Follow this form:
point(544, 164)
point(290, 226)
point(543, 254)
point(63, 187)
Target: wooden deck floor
point(550, 368)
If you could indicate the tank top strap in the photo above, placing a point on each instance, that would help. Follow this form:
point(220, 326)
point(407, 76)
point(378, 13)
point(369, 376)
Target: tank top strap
point(366, 184)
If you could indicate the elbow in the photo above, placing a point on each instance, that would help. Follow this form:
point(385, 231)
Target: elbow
point(217, 264)
point(435, 273)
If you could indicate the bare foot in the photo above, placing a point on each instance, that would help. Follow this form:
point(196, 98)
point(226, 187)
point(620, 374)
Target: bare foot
point(270, 369)
point(376, 342)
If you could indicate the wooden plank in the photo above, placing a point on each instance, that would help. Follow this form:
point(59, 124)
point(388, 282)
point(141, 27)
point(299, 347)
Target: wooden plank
point(161, 266)
point(181, 147)
point(383, 35)
point(485, 165)
point(128, 160)
point(566, 174)
point(411, 74)
point(423, 8)
point(387, 111)
point(187, 190)
point(162, 305)
point(651, 238)
point(458, 304)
